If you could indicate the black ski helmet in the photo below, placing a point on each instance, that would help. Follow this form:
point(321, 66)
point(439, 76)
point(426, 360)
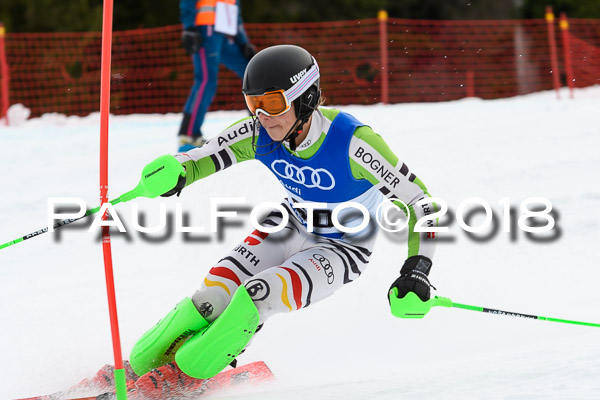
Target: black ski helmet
point(289, 68)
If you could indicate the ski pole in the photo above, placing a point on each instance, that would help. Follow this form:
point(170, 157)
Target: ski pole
point(56, 225)
point(158, 177)
point(411, 306)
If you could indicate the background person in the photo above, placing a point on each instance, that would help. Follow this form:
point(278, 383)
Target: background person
point(213, 34)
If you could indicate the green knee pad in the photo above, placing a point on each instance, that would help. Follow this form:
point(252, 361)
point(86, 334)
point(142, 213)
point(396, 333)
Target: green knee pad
point(210, 351)
point(158, 346)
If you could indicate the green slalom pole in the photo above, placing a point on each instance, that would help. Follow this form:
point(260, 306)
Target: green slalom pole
point(56, 225)
point(158, 177)
point(411, 306)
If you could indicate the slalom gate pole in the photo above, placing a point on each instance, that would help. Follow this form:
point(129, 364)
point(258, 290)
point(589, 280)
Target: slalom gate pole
point(382, 16)
point(119, 372)
point(552, 46)
point(566, 41)
point(4, 77)
point(411, 306)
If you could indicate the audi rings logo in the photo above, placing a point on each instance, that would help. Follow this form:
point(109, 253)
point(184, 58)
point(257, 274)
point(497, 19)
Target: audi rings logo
point(318, 178)
point(326, 267)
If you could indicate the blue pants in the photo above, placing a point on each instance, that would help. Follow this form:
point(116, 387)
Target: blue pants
point(216, 49)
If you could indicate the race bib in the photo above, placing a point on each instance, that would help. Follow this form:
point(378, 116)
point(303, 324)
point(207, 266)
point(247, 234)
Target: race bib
point(226, 18)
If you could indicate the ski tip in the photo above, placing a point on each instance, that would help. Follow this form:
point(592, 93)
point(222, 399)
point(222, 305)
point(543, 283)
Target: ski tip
point(253, 373)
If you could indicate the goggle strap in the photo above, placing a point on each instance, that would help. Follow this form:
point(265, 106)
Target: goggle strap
point(303, 83)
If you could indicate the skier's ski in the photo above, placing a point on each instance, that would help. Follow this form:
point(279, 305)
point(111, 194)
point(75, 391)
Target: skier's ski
point(250, 373)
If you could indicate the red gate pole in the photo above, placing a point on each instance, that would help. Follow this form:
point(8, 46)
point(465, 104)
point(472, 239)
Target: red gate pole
point(383, 54)
point(470, 86)
point(566, 41)
point(4, 74)
point(120, 384)
point(552, 44)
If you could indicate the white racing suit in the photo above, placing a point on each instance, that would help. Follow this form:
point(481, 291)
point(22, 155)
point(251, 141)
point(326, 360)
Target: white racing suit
point(339, 161)
point(283, 271)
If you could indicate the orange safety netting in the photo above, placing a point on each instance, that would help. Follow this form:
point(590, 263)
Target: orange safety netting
point(428, 61)
point(585, 52)
point(433, 59)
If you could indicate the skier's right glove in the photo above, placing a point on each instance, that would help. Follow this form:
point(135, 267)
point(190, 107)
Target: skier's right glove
point(177, 189)
point(413, 278)
point(191, 40)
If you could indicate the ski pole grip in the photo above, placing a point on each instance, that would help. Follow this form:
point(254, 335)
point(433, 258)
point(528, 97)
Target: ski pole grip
point(158, 177)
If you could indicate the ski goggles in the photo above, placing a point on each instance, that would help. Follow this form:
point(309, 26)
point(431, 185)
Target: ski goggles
point(271, 104)
point(277, 102)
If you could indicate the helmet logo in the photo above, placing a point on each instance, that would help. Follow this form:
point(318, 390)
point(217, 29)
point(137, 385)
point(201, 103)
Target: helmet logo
point(297, 77)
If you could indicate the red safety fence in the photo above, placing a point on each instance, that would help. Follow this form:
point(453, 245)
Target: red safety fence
point(426, 61)
point(448, 60)
point(585, 51)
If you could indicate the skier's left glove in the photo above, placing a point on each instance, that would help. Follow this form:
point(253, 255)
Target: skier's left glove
point(248, 50)
point(413, 278)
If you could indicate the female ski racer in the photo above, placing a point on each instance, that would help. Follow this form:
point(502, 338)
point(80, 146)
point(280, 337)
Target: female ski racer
point(323, 158)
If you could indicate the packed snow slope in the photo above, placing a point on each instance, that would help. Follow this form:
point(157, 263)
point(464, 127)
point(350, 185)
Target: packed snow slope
point(54, 315)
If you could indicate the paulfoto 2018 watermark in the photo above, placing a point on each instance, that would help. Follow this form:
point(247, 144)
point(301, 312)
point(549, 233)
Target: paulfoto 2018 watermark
point(534, 215)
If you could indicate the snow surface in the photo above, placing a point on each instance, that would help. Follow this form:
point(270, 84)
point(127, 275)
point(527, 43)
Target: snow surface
point(54, 318)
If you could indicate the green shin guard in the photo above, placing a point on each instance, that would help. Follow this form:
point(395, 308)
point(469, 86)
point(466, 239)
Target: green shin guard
point(158, 346)
point(210, 351)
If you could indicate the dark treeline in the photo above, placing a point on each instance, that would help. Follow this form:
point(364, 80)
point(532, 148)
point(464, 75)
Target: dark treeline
point(86, 15)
